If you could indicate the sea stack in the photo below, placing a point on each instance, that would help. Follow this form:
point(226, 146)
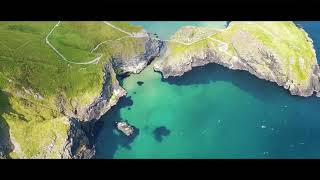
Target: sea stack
point(125, 128)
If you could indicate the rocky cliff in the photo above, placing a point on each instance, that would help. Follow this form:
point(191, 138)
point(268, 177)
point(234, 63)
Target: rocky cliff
point(53, 90)
point(79, 143)
point(279, 52)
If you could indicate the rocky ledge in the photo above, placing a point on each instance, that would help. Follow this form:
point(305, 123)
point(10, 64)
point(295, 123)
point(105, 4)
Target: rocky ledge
point(279, 52)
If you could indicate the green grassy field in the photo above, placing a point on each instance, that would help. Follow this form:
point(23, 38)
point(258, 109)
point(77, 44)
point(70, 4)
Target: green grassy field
point(29, 64)
point(284, 39)
point(125, 26)
point(75, 40)
point(288, 41)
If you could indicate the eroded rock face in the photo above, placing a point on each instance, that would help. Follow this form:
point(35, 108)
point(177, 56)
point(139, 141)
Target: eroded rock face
point(74, 140)
point(111, 90)
point(137, 62)
point(249, 54)
point(109, 96)
point(2, 156)
point(78, 144)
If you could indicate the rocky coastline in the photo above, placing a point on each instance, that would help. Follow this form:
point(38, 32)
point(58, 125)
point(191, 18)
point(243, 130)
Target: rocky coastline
point(79, 143)
point(249, 55)
point(251, 59)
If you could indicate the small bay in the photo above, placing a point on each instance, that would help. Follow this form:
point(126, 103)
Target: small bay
point(210, 112)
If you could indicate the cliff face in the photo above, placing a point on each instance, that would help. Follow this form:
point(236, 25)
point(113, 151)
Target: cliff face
point(124, 63)
point(5, 143)
point(78, 144)
point(57, 86)
point(275, 51)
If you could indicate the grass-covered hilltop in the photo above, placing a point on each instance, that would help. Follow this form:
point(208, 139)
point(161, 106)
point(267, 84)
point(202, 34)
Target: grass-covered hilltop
point(54, 76)
point(279, 52)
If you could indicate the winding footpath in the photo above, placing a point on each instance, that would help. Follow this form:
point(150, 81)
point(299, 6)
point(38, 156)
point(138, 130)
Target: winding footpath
point(94, 61)
point(107, 42)
point(109, 24)
point(223, 48)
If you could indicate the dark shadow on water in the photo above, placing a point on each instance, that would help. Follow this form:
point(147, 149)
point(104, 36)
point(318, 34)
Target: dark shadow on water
point(108, 138)
point(140, 83)
point(125, 102)
point(5, 144)
point(160, 132)
point(211, 73)
point(301, 125)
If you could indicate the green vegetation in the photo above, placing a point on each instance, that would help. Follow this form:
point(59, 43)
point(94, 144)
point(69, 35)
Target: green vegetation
point(287, 41)
point(36, 76)
point(75, 40)
point(38, 138)
point(284, 39)
point(124, 48)
point(126, 26)
point(177, 48)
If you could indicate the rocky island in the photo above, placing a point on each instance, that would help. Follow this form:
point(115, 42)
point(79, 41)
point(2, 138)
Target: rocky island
point(279, 52)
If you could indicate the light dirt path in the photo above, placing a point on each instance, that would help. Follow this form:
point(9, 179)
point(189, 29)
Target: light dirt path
point(109, 24)
point(94, 61)
point(107, 42)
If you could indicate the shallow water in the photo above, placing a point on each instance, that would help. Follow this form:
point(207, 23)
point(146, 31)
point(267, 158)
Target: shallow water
point(164, 29)
point(210, 112)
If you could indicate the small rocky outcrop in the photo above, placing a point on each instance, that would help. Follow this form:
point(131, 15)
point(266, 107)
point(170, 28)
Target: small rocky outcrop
point(125, 128)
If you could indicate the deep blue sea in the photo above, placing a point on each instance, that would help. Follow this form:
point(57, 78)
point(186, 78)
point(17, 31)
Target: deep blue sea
point(211, 112)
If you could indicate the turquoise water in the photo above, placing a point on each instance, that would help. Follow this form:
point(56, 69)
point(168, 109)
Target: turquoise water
point(164, 29)
point(210, 112)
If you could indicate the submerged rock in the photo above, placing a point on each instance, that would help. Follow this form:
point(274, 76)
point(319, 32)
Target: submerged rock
point(160, 132)
point(140, 83)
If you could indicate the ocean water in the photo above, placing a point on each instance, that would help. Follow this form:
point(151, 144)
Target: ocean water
point(164, 29)
point(211, 112)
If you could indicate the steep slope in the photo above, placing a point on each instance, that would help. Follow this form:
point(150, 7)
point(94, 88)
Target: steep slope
point(276, 51)
point(56, 76)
